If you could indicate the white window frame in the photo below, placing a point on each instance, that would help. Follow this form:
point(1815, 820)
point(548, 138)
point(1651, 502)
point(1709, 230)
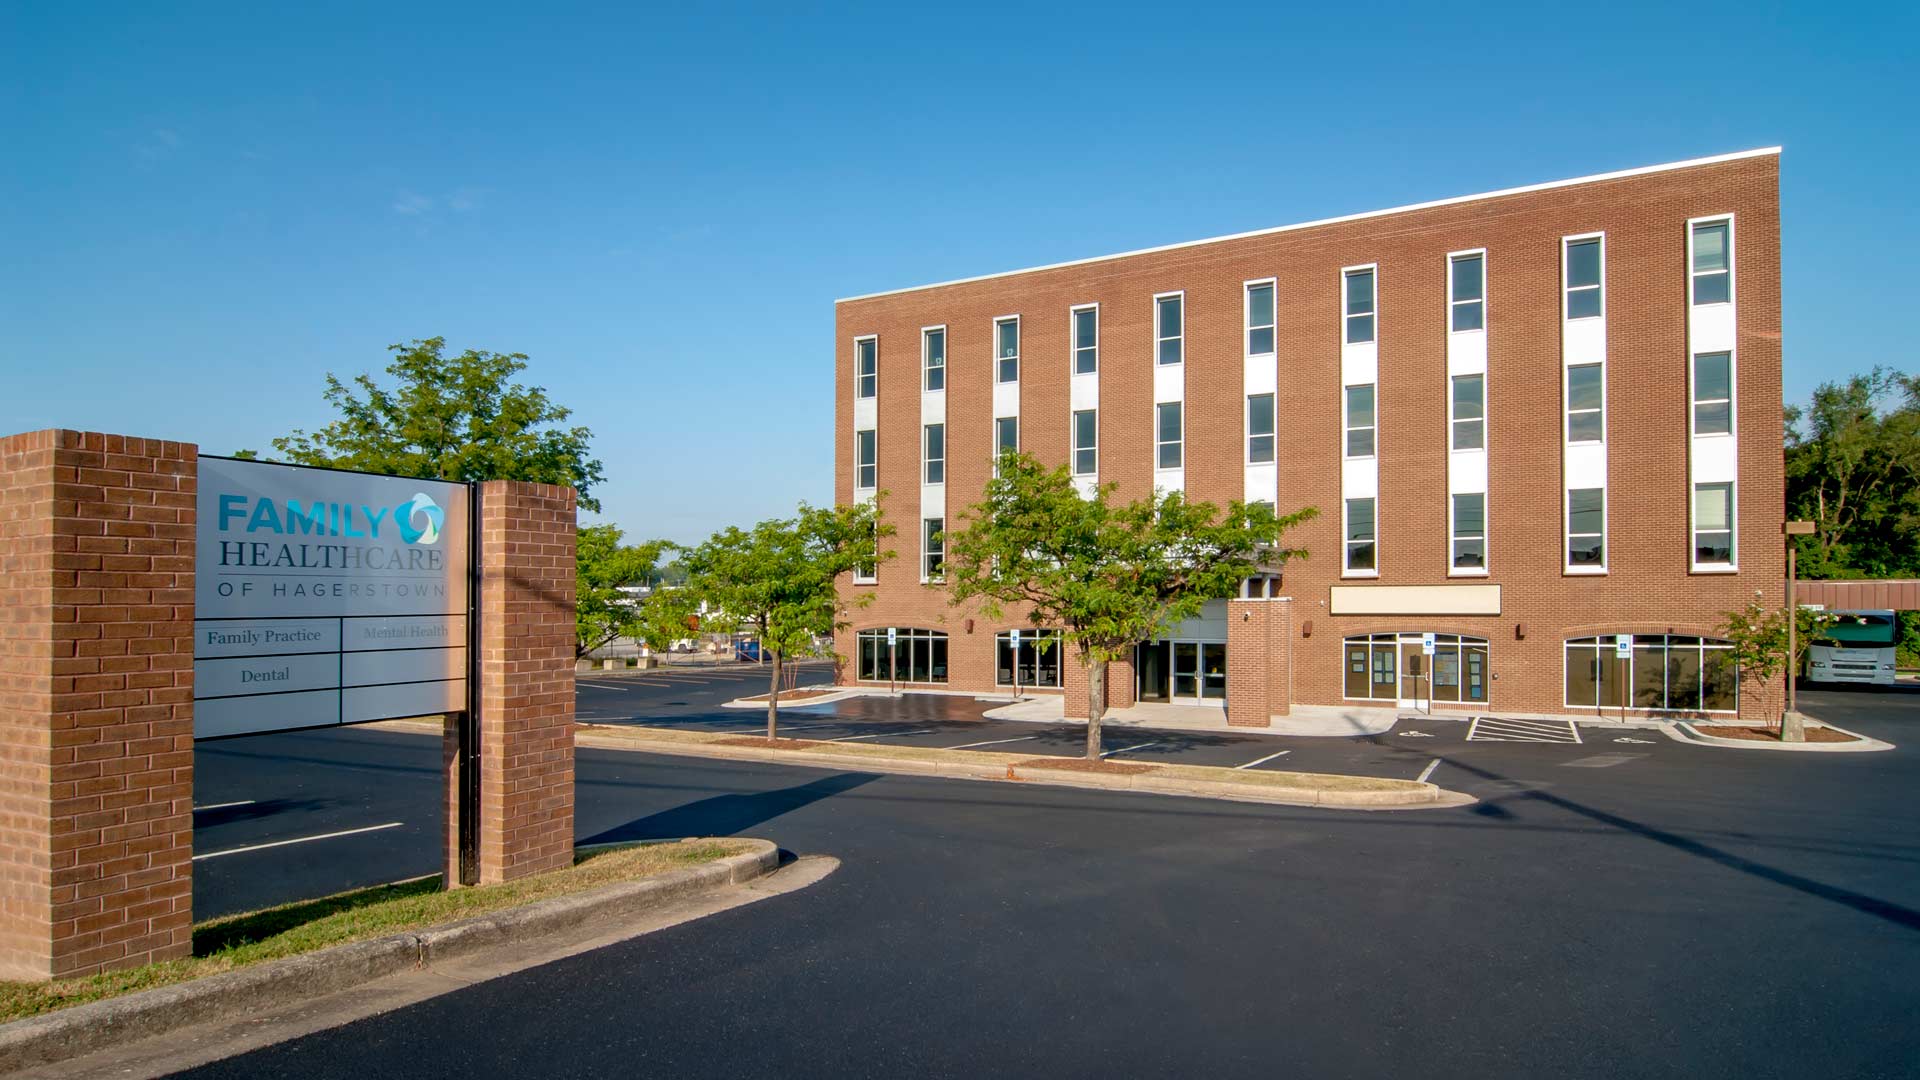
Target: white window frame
point(928, 549)
point(1246, 314)
point(1566, 289)
point(1158, 442)
point(1454, 304)
point(927, 460)
point(1567, 410)
point(1347, 542)
point(994, 439)
point(1732, 565)
point(857, 376)
point(1373, 306)
point(1733, 277)
point(1074, 448)
point(1454, 420)
point(1019, 344)
point(1073, 339)
point(1606, 653)
point(1567, 534)
point(859, 465)
point(1346, 428)
point(926, 367)
point(1453, 536)
point(1180, 338)
point(873, 578)
point(1272, 436)
point(1694, 400)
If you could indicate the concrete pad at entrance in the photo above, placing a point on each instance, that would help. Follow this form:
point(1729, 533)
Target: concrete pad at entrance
point(1311, 721)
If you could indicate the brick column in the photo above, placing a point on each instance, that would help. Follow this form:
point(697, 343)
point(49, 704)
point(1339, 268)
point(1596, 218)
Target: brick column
point(526, 668)
point(1249, 662)
point(1280, 669)
point(96, 702)
point(1077, 694)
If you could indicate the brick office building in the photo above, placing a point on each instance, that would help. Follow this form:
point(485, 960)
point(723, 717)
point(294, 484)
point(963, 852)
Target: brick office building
point(1542, 427)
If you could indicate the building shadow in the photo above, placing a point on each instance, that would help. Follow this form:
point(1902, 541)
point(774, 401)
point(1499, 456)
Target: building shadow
point(726, 815)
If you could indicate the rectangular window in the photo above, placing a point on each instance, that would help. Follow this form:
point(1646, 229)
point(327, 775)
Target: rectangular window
point(1360, 536)
point(1470, 531)
point(1259, 319)
point(866, 573)
point(933, 548)
point(1713, 393)
point(1169, 322)
point(1259, 428)
point(1360, 427)
point(1468, 292)
point(1713, 524)
point(933, 355)
point(1006, 337)
point(1086, 442)
point(1359, 316)
point(935, 445)
point(865, 463)
point(1167, 434)
point(1038, 658)
point(1469, 412)
point(1583, 279)
point(1086, 340)
point(1586, 392)
point(1712, 263)
point(1006, 434)
point(866, 367)
point(1587, 528)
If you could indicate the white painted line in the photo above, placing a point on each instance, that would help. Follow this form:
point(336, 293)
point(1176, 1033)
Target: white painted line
point(989, 742)
point(1263, 760)
point(881, 735)
point(223, 805)
point(1428, 771)
point(601, 685)
point(298, 840)
point(1129, 749)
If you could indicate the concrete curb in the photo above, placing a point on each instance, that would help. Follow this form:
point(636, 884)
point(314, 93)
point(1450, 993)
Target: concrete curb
point(824, 699)
point(1686, 733)
point(1417, 795)
point(84, 1029)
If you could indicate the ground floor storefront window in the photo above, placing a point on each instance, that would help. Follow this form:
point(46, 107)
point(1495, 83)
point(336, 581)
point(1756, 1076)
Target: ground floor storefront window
point(1659, 673)
point(914, 655)
point(1039, 660)
point(1395, 667)
point(1181, 672)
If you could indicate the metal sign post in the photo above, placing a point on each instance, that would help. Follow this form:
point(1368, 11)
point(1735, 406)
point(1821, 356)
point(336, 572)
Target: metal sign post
point(1015, 635)
point(1428, 647)
point(893, 661)
point(1622, 652)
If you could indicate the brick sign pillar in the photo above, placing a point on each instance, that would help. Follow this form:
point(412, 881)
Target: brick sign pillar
point(96, 702)
point(525, 683)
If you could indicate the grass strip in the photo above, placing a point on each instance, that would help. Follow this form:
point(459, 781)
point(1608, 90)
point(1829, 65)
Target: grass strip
point(233, 941)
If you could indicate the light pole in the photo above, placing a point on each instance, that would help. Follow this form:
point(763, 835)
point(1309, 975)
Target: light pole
point(1792, 725)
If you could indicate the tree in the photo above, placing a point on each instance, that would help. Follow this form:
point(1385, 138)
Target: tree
point(781, 577)
point(1107, 576)
point(457, 418)
point(605, 569)
point(1758, 634)
point(1854, 471)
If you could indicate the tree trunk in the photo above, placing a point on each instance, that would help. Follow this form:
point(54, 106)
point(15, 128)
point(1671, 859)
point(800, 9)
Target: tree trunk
point(1096, 706)
point(773, 694)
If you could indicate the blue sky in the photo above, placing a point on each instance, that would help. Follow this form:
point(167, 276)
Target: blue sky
point(204, 208)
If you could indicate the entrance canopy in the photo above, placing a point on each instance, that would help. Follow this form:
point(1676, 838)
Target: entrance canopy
point(1884, 594)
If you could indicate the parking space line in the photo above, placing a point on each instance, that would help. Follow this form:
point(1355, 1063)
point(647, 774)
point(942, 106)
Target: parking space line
point(990, 742)
point(1128, 749)
point(297, 840)
point(880, 735)
point(223, 805)
point(1428, 771)
point(1263, 760)
point(601, 685)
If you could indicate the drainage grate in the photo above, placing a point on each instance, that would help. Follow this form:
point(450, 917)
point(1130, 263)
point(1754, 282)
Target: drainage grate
point(1496, 729)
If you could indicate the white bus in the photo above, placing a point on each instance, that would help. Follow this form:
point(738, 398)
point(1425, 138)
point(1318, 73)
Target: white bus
point(1857, 649)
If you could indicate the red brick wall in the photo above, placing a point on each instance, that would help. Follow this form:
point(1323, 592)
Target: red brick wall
point(96, 702)
point(526, 668)
point(1649, 587)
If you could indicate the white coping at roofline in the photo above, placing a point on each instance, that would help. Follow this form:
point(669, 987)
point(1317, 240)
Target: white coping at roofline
point(1643, 170)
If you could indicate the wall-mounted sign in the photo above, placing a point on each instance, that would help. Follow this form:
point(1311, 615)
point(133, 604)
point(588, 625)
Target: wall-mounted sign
point(326, 597)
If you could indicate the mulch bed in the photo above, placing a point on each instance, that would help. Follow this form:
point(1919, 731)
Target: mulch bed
point(771, 744)
point(1117, 768)
point(1729, 731)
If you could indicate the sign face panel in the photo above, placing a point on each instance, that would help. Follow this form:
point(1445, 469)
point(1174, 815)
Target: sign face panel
point(1427, 644)
point(1622, 647)
point(326, 597)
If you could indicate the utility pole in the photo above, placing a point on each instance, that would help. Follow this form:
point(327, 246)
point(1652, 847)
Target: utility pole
point(1793, 726)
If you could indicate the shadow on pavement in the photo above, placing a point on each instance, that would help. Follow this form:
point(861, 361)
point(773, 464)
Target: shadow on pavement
point(726, 815)
point(226, 815)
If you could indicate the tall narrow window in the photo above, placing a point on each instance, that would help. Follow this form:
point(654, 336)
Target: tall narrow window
point(936, 449)
point(1469, 292)
point(866, 367)
point(1713, 524)
point(1259, 319)
point(1583, 279)
point(1086, 340)
point(865, 465)
point(1359, 316)
point(1469, 412)
point(1360, 427)
point(933, 349)
point(1712, 265)
point(1713, 394)
point(1006, 434)
point(1587, 528)
point(868, 569)
point(1086, 442)
point(1006, 336)
point(1167, 434)
point(1259, 428)
point(1360, 535)
point(1170, 328)
point(1585, 394)
point(933, 548)
point(1470, 531)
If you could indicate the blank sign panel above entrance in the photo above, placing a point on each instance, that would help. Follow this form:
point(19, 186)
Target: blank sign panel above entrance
point(1415, 600)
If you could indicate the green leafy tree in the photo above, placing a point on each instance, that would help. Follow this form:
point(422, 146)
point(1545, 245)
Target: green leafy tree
point(457, 418)
point(1853, 469)
point(781, 578)
point(1758, 634)
point(605, 569)
point(1108, 576)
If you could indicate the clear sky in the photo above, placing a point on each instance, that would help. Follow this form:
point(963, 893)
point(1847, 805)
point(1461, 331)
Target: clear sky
point(203, 208)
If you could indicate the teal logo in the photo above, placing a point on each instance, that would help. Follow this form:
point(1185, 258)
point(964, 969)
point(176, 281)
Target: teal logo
point(420, 519)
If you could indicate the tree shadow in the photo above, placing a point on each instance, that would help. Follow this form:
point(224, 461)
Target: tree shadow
point(726, 815)
point(224, 815)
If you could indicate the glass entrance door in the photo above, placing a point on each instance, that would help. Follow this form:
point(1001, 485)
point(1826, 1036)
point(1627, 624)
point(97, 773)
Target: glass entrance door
point(1150, 661)
point(1186, 670)
point(1213, 672)
point(1416, 690)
